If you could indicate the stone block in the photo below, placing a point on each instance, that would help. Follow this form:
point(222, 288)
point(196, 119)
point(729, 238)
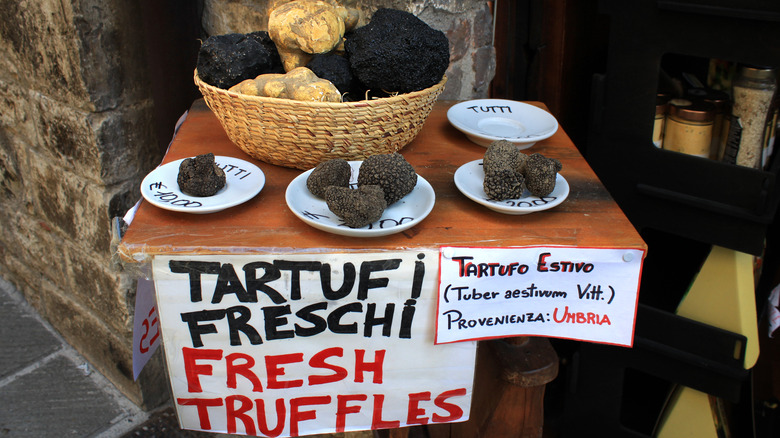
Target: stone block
point(458, 33)
point(18, 113)
point(82, 53)
point(452, 90)
point(109, 353)
point(484, 69)
point(12, 190)
point(32, 403)
point(70, 204)
point(483, 27)
point(108, 148)
point(66, 138)
point(128, 144)
point(26, 339)
point(32, 240)
point(92, 278)
point(234, 16)
point(16, 272)
point(99, 287)
point(40, 48)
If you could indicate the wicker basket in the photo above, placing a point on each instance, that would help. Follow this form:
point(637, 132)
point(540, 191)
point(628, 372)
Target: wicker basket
point(300, 134)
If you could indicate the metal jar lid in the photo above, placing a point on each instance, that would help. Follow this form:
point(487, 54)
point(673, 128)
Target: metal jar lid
point(661, 104)
point(757, 73)
point(716, 97)
point(697, 111)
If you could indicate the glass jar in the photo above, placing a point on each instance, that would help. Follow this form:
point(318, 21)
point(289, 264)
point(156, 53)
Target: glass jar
point(661, 106)
point(689, 127)
point(753, 91)
point(720, 126)
point(771, 132)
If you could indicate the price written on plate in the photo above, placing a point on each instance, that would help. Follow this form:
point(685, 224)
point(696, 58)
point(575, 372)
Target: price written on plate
point(587, 294)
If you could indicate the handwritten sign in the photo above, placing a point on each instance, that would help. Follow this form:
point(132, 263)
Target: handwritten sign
point(298, 344)
point(146, 330)
point(587, 294)
point(495, 109)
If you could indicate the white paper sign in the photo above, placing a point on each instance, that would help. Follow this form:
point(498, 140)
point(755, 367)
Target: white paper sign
point(146, 327)
point(774, 311)
point(587, 294)
point(299, 344)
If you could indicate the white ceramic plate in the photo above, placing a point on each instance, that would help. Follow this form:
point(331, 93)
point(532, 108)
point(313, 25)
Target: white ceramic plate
point(244, 180)
point(487, 120)
point(470, 176)
point(405, 213)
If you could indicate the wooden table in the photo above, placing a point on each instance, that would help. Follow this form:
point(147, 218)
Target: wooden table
point(588, 218)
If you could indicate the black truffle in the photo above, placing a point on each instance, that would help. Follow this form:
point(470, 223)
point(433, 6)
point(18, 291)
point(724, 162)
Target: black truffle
point(334, 172)
point(397, 52)
point(503, 184)
point(503, 154)
point(391, 172)
point(540, 174)
point(356, 207)
point(200, 176)
point(225, 60)
point(333, 67)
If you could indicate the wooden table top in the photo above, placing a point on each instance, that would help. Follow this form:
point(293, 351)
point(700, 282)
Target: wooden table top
point(589, 217)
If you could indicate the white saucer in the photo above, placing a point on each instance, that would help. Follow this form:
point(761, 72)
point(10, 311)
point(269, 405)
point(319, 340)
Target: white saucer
point(244, 180)
point(487, 120)
point(404, 214)
point(470, 176)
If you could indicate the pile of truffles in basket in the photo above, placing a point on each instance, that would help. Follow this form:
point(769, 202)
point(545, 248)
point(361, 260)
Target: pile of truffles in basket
point(314, 51)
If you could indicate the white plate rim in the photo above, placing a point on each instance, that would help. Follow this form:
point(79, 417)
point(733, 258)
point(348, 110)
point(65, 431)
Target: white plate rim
point(521, 140)
point(244, 181)
point(298, 185)
point(472, 171)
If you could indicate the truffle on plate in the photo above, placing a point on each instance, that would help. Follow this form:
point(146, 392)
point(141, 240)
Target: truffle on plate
point(335, 172)
point(503, 154)
point(356, 207)
point(200, 176)
point(540, 174)
point(503, 184)
point(391, 172)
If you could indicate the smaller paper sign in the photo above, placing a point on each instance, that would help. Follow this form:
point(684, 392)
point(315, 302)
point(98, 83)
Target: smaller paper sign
point(587, 294)
point(146, 327)
point(774, 311)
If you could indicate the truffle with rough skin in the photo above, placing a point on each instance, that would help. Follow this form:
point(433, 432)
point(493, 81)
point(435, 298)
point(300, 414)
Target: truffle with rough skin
point(297, 84)
point(503, 184)
point(200, 176)
point(397, 52)
point(502, 154)
point(225, 60)
point(302, 28)
point(334, 172)
point(333, 67)
point(356, 207)
point(540, 174)
point(391, 172)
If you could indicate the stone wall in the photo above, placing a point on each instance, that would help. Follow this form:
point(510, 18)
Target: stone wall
point(79, 130)
point(76, 137)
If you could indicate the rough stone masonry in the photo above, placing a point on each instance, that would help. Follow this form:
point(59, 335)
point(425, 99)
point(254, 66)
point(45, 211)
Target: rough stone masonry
point(77, 136)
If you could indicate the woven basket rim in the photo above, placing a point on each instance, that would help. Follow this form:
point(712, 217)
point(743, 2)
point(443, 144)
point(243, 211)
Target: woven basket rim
point(355, 104)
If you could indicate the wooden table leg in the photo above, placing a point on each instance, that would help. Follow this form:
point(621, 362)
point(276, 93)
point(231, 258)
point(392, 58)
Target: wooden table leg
point(509, 385)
